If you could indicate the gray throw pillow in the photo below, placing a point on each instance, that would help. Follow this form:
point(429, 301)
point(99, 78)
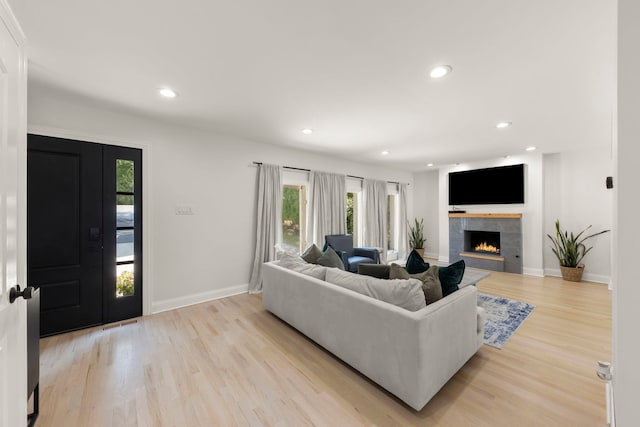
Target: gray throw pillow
point(312, 254)
point(406, 294)
point(430, 281)
point(381, 271)
point(330, 258)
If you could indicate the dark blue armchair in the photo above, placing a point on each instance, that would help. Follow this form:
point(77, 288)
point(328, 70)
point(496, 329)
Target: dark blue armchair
point(351, 257)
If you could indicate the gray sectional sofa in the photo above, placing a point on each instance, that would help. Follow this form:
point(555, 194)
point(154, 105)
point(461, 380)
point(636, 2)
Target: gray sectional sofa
point(412, 354)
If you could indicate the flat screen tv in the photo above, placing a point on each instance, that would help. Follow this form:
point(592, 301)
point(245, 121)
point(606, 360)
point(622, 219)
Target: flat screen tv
point(491, 186)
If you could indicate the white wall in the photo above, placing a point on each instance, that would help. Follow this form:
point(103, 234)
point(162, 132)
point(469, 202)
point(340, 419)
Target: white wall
point(626, 286)
point(425, 205)
point(532, 209)
point(575, 193)
point(188, 259)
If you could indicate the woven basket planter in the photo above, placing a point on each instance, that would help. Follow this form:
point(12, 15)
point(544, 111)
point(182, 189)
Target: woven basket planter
point(572, 274)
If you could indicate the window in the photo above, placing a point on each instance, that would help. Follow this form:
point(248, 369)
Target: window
point(294, 215)
point(392, 227)
point(352, 216)
point(125, 215)
point(391, 220)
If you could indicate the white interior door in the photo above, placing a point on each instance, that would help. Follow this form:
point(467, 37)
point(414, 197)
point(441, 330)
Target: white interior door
point(13, 332)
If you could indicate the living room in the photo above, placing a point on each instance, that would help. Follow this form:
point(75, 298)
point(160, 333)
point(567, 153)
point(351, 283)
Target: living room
point(187, 257)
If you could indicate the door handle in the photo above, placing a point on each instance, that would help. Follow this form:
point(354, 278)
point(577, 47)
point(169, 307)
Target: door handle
point(94, 234)
point(15, 292)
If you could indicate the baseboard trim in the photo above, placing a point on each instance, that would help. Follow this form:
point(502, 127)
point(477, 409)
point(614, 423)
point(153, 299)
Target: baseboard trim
point(587, 277)
point(432, 255)
point(173, 303)
point(443, 259)
point(538, 272)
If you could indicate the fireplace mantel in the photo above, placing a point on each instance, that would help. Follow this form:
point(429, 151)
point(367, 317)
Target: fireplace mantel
point(485, 215)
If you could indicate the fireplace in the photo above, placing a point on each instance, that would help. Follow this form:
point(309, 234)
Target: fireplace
point(468, 232)
point(484, 242)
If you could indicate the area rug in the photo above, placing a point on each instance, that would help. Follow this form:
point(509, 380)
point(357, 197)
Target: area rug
point(504, 316)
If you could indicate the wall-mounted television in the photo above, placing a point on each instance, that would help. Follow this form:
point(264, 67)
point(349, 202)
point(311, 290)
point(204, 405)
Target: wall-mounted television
point(491, 186)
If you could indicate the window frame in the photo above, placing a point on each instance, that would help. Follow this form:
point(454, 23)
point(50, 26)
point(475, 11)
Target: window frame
point(393, 226)
point(299, 179)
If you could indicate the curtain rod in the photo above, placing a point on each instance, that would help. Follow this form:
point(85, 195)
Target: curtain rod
point(309, 170)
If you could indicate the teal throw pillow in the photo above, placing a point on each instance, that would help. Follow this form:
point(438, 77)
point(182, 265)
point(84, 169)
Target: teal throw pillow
point(450, 277)
point(330, 258)
point(416, 264)
point(312, 254)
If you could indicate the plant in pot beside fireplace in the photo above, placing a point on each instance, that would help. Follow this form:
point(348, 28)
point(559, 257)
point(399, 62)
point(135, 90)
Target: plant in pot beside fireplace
point(570, 250)
point(416, 236)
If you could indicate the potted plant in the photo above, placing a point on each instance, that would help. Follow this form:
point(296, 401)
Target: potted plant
point(570, 249)
point(416, 236)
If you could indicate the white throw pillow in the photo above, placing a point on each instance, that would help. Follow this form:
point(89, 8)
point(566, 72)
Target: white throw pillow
point(287, 260)
point(405, 293)
point(299, 265)
point(281, 252)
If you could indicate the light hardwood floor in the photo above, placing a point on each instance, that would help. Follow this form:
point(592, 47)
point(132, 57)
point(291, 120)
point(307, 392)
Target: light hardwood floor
point(229, 362)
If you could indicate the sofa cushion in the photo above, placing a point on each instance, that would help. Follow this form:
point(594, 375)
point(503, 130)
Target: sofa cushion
point(406, 294)
point(381, 271)
point(415, 263)
point(430, 282)
point(299, 265)
point(312, 254)
point(330, 258)
point(451, 276)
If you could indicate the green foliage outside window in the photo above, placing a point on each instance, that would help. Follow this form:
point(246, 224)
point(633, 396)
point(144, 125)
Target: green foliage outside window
point(291, 216)
point(124, 284)
point(124, 175)
point(350, 213)
point(291, 205)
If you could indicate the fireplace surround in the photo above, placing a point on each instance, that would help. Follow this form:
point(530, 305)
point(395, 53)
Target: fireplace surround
point(488, 241)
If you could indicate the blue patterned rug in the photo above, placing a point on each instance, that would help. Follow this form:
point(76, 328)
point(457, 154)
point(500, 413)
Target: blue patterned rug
point(504, 316)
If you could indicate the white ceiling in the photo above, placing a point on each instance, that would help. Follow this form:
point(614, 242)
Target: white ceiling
point(355, 71)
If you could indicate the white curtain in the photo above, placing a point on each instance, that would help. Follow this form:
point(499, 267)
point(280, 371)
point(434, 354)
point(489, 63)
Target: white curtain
point(269, 221)
point(327, 210)
point(403, 245)
point(374, 201)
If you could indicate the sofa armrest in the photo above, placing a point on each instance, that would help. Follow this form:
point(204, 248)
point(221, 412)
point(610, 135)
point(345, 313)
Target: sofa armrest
point(367, 252)
point(448, 337)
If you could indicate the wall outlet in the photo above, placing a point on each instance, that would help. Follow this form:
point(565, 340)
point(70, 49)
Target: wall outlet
point(185, 210)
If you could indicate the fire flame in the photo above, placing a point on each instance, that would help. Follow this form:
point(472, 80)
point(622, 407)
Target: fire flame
point(485, 247)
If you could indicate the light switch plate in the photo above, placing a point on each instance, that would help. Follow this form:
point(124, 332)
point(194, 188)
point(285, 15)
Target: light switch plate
point(185, 210)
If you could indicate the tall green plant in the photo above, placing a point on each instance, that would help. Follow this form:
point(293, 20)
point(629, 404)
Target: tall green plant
point(570, 248)
point(416, 234)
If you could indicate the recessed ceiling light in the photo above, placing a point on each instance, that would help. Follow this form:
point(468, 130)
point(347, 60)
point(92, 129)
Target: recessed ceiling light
point(530, 148)
point(307, 131)
point(385, 152)
point(440, 71)
point(167, 92)
point(429, 164)
point(503, 125)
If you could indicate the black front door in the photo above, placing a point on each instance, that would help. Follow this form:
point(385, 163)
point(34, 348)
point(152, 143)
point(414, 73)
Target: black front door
point(73, 213)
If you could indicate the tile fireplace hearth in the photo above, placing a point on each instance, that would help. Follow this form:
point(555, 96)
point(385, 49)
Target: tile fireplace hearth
point(488, 241)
